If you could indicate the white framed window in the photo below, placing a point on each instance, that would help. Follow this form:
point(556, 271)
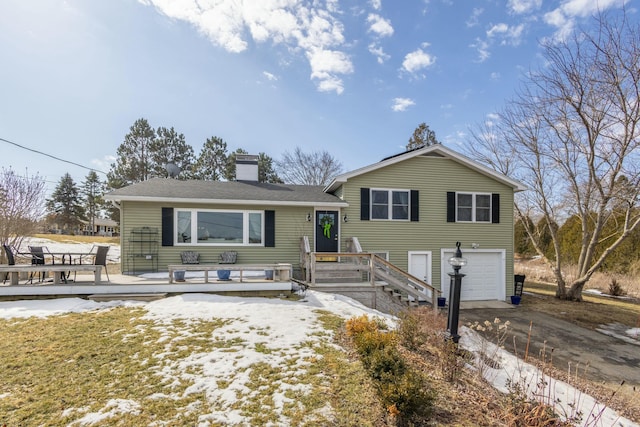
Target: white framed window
point(219, 227)
point(473, 207)
point(390, 204)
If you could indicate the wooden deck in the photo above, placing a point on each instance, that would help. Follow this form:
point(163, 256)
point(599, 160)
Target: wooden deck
point(158, 284)
point(60, 271)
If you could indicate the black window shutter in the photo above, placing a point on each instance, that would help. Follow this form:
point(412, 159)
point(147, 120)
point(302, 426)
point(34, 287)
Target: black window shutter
point(495, 208)
point(167, 226)
point(364, 204)
point(270, 229)
point(414, 205)
point(451, 206)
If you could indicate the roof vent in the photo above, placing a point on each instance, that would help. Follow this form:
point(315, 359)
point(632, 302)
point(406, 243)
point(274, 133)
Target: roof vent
point(246, 167)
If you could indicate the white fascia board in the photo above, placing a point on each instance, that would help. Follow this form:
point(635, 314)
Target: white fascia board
point(438, 148)
point(226, 201)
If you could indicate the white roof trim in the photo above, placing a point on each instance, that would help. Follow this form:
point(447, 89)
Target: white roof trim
point(437, 148)
point(174, 200)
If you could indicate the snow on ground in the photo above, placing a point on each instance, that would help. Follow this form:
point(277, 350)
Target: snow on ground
point(112, 256)
point(284, 325)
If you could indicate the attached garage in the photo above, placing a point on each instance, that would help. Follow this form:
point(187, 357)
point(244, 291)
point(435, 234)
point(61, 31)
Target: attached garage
point(484, 274)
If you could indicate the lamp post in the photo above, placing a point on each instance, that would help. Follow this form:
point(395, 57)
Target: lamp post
point(456, 261)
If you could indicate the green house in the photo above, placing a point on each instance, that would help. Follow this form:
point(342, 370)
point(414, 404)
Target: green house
point(410, 209)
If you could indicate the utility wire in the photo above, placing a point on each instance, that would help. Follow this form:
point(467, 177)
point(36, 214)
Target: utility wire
point(51, 156)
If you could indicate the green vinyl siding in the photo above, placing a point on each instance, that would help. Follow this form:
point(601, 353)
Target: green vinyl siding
point(290, 225)
point(433, 177)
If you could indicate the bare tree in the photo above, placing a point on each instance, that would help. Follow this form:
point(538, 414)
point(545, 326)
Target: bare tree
point(316, 168)
point(422, 136)
point(572, 135)
point(21, 206)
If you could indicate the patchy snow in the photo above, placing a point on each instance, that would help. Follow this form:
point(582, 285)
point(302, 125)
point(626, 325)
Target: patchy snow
point(567, 400)
point(58, 247)
point(282, 327)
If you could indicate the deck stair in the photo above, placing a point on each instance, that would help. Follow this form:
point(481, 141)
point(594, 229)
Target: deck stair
point(343, 271)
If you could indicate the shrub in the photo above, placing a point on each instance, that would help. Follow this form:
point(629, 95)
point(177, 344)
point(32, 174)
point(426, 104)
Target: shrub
point(615, 288)
point(404, 391)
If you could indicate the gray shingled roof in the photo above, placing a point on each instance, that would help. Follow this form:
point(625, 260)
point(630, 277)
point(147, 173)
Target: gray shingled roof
point(244, 191)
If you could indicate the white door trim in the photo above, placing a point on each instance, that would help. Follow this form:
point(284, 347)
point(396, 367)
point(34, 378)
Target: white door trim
point(429, 278)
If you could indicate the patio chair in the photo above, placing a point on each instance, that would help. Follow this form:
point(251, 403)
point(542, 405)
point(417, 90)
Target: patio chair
point(38, 258)
point(190, 257)
point(10, 261)
point(101, 258)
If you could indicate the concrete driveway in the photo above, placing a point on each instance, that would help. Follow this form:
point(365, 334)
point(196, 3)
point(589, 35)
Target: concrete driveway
point(607, 358)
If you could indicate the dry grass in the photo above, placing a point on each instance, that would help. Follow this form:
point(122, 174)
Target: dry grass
point(67, 238)
point(591, 313)
point(537, 271)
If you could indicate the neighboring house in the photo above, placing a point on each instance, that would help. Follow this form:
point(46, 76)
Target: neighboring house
point(101, 227)
point(410, 208)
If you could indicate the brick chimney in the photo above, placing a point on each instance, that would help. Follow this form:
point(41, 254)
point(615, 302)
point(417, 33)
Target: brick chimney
point(246, 167)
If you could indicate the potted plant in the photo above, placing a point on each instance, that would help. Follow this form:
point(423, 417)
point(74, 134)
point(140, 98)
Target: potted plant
point(179, 275)
point(223, 274)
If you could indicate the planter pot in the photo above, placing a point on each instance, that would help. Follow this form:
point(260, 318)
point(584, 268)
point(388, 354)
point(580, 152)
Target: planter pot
point(223, 274)
point(515, 299)
point(179, 275)
point(442, 301)
point(268, 274)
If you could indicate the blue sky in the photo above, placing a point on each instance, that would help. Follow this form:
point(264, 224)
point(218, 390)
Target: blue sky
point(354, 78)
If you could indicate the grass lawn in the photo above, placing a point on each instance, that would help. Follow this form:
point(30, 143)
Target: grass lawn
point(594, 311)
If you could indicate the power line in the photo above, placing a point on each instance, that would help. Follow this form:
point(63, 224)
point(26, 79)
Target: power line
point(51, 156)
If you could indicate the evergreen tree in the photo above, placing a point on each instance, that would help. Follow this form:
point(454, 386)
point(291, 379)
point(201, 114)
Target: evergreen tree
point(92, 190)
point(65, 204)
point(230, 168)
point(212, 160)
point(266, 170)
point(134, 161)
point(170, 147)
point(422, 137)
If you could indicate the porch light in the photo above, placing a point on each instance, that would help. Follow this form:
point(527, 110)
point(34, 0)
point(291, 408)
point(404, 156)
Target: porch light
point(456, 261)
point(309, 217)
point(345, 218)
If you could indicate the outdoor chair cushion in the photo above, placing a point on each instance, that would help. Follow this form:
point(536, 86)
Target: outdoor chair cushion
point(228, 257)
point(190, 257)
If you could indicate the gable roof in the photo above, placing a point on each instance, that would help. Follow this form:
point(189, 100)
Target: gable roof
point(436, 150)
point(228, 192)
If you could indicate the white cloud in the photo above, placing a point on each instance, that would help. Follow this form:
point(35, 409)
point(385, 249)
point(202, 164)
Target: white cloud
point(379, 53)
point(380, 26)
point(418, 60)
point(495, 76)
point(475, 17)
point(511, 35)
point(269, 76)
point(483, 49)
point(523, 6)
point(326, 64)
point(564, 17)
point(230, 24)
point(376, 4)
point(401, 104)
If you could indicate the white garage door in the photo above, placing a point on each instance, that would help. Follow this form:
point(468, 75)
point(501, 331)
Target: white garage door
point(485, 275)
